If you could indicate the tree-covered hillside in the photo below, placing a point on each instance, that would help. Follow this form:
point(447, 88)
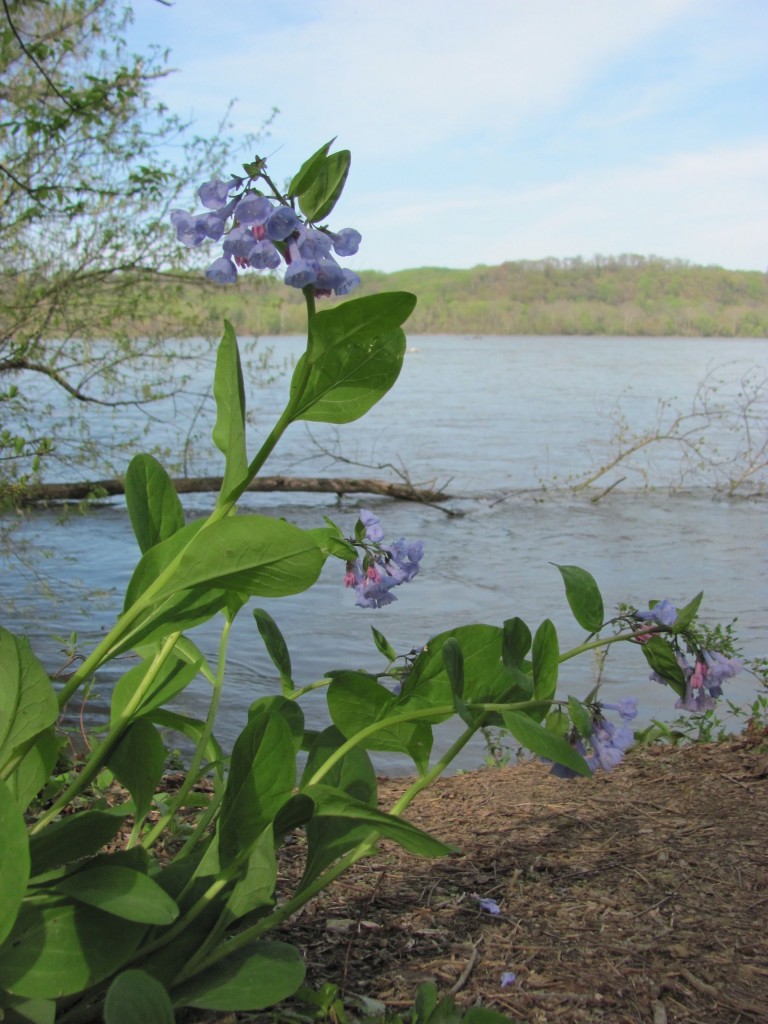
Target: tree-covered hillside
point(622, 295)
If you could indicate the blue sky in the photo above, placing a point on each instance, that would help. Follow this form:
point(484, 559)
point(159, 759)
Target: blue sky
point(491, 130)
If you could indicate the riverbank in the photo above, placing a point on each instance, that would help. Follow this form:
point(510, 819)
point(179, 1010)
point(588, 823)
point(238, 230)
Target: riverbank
point(634, 896)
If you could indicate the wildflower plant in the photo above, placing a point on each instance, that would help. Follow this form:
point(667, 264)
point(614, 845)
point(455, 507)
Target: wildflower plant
point(92, 926)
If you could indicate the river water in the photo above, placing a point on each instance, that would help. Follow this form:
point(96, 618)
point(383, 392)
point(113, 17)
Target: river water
point(492, 419)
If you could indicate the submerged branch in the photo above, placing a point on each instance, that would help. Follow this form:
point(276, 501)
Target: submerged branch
point(83, 490)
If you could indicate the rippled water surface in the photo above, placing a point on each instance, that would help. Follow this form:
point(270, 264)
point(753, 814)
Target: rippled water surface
point(495, 416)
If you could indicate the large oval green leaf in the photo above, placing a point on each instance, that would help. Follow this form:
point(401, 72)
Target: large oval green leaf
point(58, 950)
point(154, 506)
point(27, 700)
point(256, 555)
point(260, 975)
point(135, 997)
point(14, 860)
point(121, 891)
point(583, 595)
point(356, 356)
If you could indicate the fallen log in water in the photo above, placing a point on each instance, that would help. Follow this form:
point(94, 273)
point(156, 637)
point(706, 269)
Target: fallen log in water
point(94, 489)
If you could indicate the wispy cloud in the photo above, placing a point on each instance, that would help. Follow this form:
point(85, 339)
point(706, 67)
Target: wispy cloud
point(503, 129)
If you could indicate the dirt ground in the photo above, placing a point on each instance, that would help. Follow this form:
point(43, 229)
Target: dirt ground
point(639, 896)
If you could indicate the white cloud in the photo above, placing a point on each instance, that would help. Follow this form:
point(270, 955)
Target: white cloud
point(502, 129)
point(708, 206)
point(405, 75)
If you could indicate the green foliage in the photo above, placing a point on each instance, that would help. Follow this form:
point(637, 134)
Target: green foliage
point(616, 296)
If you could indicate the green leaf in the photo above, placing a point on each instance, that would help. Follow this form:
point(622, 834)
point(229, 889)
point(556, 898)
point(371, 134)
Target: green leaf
point(27, 700)
point(486, 678)
point(276, 646)
point(425, 1002)
point(539, 740)
point(661, 658)
point(546, 660)
point(257, 886)
point(190, 727)
point(135, 997)
point(74, 837)
point(154, 506)
point(258, 555)
point(229, 431)
point(355, 701)
point(14, 860)
point(334, 803)
point(516, 642)
point(261, 777)
point(580, 717)
point(17, 1010)
point(687, 614)
point(330, 838)
point(308, 171)
point(127, 894)
point(64, 948)
point(253, 978)
point(482, 1015)
point(181, 611)
point(557, 722)
point(35, 767)
point(290, 711)
point(317, 201)
point(356, 356)
point(173, 677)
point(583, 596)
point(138, 761)
point(383, 646)
point(454, 665)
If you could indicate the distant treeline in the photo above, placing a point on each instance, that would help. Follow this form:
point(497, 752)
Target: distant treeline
point(615, 295)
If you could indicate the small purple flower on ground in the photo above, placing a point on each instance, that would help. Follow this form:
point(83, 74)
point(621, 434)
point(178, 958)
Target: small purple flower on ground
point(663, 613)
point(508, 978)
point(488, 905)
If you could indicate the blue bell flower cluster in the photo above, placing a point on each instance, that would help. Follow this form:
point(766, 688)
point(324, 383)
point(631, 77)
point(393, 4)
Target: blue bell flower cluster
point(263, 234)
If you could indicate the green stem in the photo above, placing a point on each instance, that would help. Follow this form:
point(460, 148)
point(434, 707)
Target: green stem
point(295, 694)
point(100, 753)
point(412, 716)
point(435, 771)
point(363, 849)
point(191, 774)
point(594, 644)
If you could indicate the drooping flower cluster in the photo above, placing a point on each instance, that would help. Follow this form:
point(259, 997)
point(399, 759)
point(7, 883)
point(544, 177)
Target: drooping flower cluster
point(608, 742)
point(703, 678)
point(264, 233)
point(382, 566)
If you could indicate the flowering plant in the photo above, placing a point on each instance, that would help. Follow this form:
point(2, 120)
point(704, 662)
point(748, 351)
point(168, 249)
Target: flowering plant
point(91, 927)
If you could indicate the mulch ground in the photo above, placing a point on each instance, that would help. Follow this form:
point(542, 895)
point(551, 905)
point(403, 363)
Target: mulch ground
point(636, 896)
